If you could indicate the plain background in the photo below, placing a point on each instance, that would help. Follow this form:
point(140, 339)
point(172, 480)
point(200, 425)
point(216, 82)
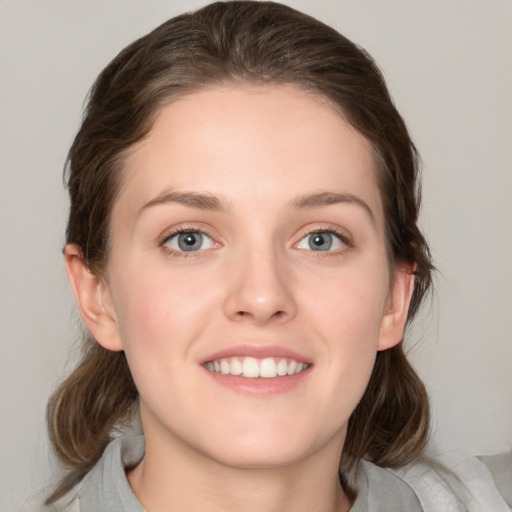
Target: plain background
point(448, 64)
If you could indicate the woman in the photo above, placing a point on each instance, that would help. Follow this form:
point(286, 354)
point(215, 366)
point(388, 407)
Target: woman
point(244, 251)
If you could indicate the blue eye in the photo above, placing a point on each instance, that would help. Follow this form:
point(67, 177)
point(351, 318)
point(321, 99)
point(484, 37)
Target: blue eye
point(189, 241)
point(321, 241)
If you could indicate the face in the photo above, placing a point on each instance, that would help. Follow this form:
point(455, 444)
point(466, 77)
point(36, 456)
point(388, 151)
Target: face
point(247, 281)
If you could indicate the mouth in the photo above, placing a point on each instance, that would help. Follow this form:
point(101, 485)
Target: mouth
point(257, 368)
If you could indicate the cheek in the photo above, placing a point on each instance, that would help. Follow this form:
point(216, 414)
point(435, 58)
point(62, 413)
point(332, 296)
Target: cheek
point(350, 305)
point(158, 323)
point(156, 314)
point(347, 312)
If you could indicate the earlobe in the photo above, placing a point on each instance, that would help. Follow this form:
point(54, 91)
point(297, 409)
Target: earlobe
point(395, 317)
point(93, 299)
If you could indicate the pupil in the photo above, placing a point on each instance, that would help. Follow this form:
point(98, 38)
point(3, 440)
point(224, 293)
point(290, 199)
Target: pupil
point(321, 241)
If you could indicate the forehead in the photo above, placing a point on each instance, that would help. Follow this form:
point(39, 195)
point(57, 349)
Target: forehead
point(242, 142)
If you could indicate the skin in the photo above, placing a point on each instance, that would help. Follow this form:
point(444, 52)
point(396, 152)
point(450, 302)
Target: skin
point(256, 282)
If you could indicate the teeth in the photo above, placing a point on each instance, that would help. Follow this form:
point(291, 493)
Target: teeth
point(224, 366)
point(252, 368)
point(292, 367)
point(236, 367)
point(282, 368)
point(268, 368)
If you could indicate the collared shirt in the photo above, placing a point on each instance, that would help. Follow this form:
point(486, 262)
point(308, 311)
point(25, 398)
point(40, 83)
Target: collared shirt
point(455, 483)
point(106, 488)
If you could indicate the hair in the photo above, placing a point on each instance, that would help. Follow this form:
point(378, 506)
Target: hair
point(246, 42)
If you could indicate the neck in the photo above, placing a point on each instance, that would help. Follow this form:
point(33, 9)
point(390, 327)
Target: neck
point(179, 478)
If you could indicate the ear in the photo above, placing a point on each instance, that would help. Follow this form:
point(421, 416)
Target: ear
point(395, 316)
point(93, 298)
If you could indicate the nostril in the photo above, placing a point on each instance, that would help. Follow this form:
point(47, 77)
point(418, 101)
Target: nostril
point(245, 314)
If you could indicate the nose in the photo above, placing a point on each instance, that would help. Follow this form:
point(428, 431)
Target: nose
point(259, 290)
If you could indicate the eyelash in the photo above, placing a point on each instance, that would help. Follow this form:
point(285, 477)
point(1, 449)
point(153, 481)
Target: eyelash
point(177, 232)
point(343, 237)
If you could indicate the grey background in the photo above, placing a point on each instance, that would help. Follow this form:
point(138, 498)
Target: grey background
point(449, 66)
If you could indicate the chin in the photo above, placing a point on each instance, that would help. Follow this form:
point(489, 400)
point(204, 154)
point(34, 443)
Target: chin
point(255, 457)
point(261, 448)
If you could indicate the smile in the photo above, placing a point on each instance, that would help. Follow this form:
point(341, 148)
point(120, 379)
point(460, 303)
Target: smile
point(253, 368)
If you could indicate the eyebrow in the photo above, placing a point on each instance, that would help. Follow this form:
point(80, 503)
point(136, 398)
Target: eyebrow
point(197, 200)
point(328, 198)
point(205, 201)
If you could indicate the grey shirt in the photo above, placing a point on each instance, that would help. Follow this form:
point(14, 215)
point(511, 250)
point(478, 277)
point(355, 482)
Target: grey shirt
point(106, 488)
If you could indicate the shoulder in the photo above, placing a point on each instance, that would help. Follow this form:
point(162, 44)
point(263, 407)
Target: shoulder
point(380, 490)
point(68, 503)
point(452, 483)
point(106, 487)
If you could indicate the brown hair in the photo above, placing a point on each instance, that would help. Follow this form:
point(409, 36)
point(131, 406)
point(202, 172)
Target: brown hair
point(248, 42)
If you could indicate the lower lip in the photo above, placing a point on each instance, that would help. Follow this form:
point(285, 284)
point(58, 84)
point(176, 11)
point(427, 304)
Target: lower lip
point(260, 386)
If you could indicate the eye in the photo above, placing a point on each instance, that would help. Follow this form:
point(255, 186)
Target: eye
point(322, 241)
point(188, 241)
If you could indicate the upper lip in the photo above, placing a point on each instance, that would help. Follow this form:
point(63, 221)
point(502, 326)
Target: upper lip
point(259, 352)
